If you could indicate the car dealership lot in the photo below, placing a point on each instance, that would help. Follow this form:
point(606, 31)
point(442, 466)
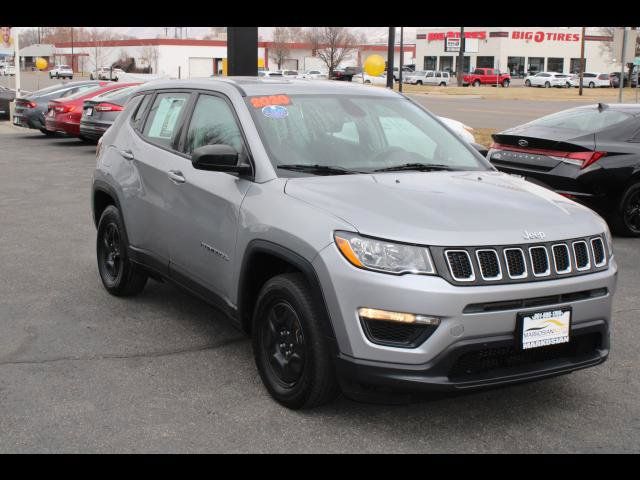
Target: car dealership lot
point(81, 371)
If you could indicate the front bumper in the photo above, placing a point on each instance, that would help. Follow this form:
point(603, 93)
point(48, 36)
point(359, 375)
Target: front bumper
point(347, 288)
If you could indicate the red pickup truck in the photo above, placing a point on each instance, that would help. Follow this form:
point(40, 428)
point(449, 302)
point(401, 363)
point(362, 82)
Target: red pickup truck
point(486, 76)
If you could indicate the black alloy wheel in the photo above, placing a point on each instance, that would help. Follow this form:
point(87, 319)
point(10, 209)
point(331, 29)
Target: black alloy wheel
point(119, 275)
point(631, 211)
point(283, 343)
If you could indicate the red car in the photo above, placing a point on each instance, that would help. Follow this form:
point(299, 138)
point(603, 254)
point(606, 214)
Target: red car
point(64, 115)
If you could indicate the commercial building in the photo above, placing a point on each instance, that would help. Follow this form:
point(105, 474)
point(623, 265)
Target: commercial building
point(189, 58)
point(519, 50)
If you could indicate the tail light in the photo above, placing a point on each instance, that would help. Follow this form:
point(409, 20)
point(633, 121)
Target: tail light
point(582, 159)
point(108, 107)
point(62, 108)
point(26, 103)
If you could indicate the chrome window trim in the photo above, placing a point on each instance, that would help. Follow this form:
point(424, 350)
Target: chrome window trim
point(489, 279)
point(472, 278)
point(588, 266)
point(547, 272)
point(524, 261)
point(555, 265)
point(604, 251)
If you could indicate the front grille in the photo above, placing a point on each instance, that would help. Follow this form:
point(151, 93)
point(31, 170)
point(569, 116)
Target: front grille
point(516, 265)
point(598, 252)
point(581, 254)
point(561, 258)
point(539, 261)
point(509, 357)
point(396, 334)
point(520, 263)
point(489, 264)
point(460, 265)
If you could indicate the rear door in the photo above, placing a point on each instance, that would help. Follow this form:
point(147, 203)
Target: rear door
point(149, 151)
point(204, 206)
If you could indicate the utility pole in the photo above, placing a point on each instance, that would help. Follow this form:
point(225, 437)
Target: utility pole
point(401, 59)
point(624, 44)
point(72, 48)
point(390, 54)
point(16, 60)
point(460, 66)
point(581, 61)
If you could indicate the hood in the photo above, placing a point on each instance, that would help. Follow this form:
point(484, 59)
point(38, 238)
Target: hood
point(447, 208)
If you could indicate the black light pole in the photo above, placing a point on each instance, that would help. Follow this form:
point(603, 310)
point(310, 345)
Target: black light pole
point(460, 66)
point(581, 78)
point(242, 51)
point(390, 52)
point(401, 59)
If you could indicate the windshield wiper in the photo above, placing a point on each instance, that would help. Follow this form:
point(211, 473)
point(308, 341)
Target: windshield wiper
point(421, 167)
point(323, 169)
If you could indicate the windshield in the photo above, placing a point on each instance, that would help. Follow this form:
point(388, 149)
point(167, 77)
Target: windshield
point(356, 133)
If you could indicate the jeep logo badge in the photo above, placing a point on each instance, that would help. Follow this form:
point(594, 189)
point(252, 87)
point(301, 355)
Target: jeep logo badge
point(523, 143)
point(534, 235)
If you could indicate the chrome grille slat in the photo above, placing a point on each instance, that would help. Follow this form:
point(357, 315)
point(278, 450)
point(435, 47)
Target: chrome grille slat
point(597, 248)
point(538, 261)
point(509, 259)
point(561, 253)
point(489, 264)
point(581, 255)
point(458, 261)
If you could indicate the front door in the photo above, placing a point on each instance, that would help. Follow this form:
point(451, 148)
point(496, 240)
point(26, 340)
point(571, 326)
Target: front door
point(204, 206)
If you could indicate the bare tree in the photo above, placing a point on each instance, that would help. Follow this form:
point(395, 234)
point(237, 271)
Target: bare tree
point(279, 49)
point(100, 51)
point(216, 33)
point(28, 36)
point(332, 45)
point(150, 54)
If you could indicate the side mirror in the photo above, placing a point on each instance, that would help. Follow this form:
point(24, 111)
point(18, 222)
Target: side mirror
point(218, 158)
point(481, 148)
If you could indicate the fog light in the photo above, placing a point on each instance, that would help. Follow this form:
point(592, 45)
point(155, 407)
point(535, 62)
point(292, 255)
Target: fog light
point(384, 315)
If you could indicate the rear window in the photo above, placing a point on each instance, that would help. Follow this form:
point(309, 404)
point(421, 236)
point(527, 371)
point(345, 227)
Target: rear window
point(118, 94)
point(81, 92)
point(583, 120)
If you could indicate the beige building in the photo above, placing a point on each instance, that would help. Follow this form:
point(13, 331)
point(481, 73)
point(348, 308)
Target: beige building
point(520, 50)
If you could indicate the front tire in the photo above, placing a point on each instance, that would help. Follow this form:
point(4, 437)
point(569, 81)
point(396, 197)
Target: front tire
point(290, 350)
point(119, 275)
point(476, 83)
point(505, 83)
point(626, 219)
point(547, 85)
point(527, 83)
point(592, 85)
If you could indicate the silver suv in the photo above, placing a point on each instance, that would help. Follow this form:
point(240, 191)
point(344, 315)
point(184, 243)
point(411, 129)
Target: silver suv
point(360, 243)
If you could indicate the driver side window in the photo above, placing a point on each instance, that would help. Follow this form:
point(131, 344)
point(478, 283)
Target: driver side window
point(213, 123)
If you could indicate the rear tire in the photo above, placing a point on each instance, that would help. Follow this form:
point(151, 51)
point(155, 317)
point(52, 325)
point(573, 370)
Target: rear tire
point(547, 85)
point(419, 82)
point(626, 218)
point(505, 83)
point(289, 346)
point(442, 84)
point(592, 85)
point(119, 275)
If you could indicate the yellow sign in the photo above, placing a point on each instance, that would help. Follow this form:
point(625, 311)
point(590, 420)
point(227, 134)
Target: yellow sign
point(224, 67)
point(41, 63)
point(374, 65)
point(261, 63)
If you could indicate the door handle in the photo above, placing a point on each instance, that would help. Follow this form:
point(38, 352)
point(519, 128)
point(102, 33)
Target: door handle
point(128, 154)
point(176, 176)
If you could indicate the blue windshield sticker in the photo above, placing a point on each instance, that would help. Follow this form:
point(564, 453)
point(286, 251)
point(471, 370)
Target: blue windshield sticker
point(275, 111)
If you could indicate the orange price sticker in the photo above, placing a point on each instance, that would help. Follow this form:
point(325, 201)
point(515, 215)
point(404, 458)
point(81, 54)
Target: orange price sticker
point(260, 102)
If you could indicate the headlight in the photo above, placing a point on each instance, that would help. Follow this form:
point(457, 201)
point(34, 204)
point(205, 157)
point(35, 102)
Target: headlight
point(384, 256)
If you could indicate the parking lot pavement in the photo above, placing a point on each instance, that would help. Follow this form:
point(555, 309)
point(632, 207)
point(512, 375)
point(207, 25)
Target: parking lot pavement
point(492, 113)
point(81, 371)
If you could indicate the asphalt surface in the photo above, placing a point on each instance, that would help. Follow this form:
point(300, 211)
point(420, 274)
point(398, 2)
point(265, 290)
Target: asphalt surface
point(81, 371)
point(492, 113)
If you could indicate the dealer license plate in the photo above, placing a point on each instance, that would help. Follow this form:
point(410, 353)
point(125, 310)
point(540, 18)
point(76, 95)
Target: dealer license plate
point(16, 120)
point(540, 329)
point(89, 111)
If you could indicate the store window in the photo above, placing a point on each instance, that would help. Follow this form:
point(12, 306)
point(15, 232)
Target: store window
point(430, 63)
point(446, 63)
point(466, 65)
point(555, 64)
point(484, 62)
point(574, 65)
point(516, 66)
point(536, 65)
